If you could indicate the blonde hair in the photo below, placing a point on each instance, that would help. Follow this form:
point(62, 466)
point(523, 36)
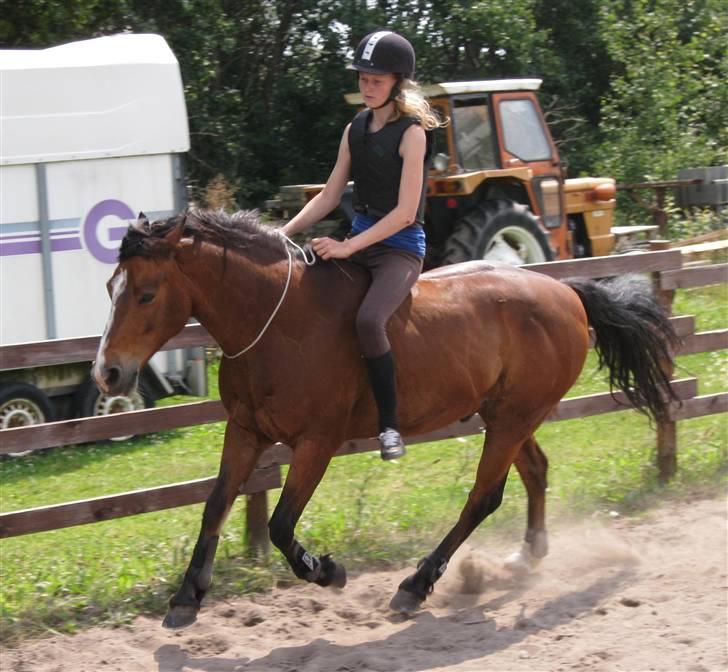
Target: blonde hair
point(410, 102)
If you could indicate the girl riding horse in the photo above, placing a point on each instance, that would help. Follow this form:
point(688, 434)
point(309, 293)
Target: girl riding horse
point(385, 150)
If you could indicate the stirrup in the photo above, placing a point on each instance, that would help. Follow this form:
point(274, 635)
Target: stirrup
point(391, 444)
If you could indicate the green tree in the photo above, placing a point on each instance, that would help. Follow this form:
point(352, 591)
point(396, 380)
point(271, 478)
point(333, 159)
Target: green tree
point(576, 72)
point(667, 107)
point(26, 24)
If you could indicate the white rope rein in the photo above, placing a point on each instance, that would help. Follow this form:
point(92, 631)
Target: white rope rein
point(308, 262)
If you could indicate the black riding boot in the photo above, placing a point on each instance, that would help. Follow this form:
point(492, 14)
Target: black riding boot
point(381, 377)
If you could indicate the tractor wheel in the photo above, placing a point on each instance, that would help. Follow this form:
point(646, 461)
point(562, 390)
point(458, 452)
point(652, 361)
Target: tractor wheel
point(22, 405)
point(89, 401)
point(502, 231)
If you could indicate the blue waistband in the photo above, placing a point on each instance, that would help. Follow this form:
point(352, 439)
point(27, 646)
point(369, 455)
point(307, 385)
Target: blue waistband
point(411, 239)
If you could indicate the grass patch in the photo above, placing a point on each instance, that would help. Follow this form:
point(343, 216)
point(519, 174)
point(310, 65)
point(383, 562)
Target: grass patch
point(368, 513)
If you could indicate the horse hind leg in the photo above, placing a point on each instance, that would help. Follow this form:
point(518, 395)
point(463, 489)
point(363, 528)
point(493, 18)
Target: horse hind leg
point(532, 466)
point(239, 456)
point(501, 447)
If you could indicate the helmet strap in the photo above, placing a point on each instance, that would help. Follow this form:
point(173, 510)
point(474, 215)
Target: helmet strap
point(386, 102)
point(393, 93)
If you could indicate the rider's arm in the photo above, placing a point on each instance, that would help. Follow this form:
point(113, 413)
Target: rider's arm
point(327, 199)
point(412, 150)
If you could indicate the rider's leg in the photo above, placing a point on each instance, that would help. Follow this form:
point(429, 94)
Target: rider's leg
point(393, 272)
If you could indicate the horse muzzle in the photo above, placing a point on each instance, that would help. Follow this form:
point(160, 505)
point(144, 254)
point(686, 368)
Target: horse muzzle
point(115, 378)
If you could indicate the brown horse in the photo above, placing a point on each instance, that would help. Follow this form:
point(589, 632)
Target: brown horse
point(473, 338)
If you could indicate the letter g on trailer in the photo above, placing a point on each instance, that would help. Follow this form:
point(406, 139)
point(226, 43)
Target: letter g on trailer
point(91, 133)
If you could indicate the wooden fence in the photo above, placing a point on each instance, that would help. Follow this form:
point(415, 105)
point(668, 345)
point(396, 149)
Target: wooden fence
point(668, 274)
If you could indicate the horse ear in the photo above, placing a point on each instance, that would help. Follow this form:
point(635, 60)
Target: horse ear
point(176, 233)
point(142, 223)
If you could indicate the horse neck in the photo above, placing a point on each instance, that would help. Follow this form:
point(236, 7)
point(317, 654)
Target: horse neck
point(233, 298)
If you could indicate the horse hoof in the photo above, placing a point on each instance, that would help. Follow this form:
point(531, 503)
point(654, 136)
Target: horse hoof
point(405, 602)
point(521, 562)
point(339, 578)
point(330, 574)
point(180, 617)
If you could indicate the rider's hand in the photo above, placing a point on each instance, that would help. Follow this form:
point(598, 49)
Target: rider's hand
point(328, 248)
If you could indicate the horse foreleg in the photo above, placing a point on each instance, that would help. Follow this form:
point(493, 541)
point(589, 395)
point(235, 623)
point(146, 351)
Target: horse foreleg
point(310, 460)
point(239, 456)
point(532, 466)
point(485, 497)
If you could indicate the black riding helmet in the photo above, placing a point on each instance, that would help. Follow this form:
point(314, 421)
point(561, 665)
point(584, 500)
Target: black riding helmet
point(383, 52)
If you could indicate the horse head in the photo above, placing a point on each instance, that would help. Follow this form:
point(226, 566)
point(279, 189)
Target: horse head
point(149, 303)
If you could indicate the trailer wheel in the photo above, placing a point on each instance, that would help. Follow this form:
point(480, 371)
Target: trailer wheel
point(22, 405)
point(500, 230)
point(89, 401)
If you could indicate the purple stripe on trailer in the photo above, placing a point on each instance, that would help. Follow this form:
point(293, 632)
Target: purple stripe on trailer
point(35, 235)
point(13, 248)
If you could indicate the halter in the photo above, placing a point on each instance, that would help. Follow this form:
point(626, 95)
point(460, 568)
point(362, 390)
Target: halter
point(308, 262)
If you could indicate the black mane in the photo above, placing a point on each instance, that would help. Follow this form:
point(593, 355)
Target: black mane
point(240, 230)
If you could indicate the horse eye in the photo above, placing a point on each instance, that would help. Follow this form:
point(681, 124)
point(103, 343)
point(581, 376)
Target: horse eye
point(147, 297)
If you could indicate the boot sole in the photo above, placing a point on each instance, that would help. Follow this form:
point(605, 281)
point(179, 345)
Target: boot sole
point(392, 455)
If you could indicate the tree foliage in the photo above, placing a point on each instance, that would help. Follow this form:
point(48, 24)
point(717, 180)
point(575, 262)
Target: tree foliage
point(633, 88)
point(667, 105)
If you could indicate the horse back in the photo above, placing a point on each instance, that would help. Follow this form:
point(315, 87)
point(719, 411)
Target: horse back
point(495, 294)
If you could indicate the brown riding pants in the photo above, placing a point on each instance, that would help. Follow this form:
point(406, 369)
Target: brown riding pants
point(394, 273)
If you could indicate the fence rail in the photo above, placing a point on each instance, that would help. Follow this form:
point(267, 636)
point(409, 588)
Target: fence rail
point(98, 428)
point(668, 275)
point(267, 474)
point(697, 276)
point(83, 349)
point(45, 518)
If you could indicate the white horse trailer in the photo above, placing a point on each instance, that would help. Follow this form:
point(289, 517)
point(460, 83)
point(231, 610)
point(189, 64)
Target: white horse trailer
point(91, 133)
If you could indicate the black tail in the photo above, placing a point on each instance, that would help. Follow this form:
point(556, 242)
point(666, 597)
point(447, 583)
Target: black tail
point(634, 339)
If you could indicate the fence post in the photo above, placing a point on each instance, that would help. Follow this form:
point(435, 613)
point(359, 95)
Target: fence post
point(659, 216)
point(666, 429)
point(257, 540)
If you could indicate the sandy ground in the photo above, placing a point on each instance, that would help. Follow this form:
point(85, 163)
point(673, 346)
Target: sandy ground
point(616, 594)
